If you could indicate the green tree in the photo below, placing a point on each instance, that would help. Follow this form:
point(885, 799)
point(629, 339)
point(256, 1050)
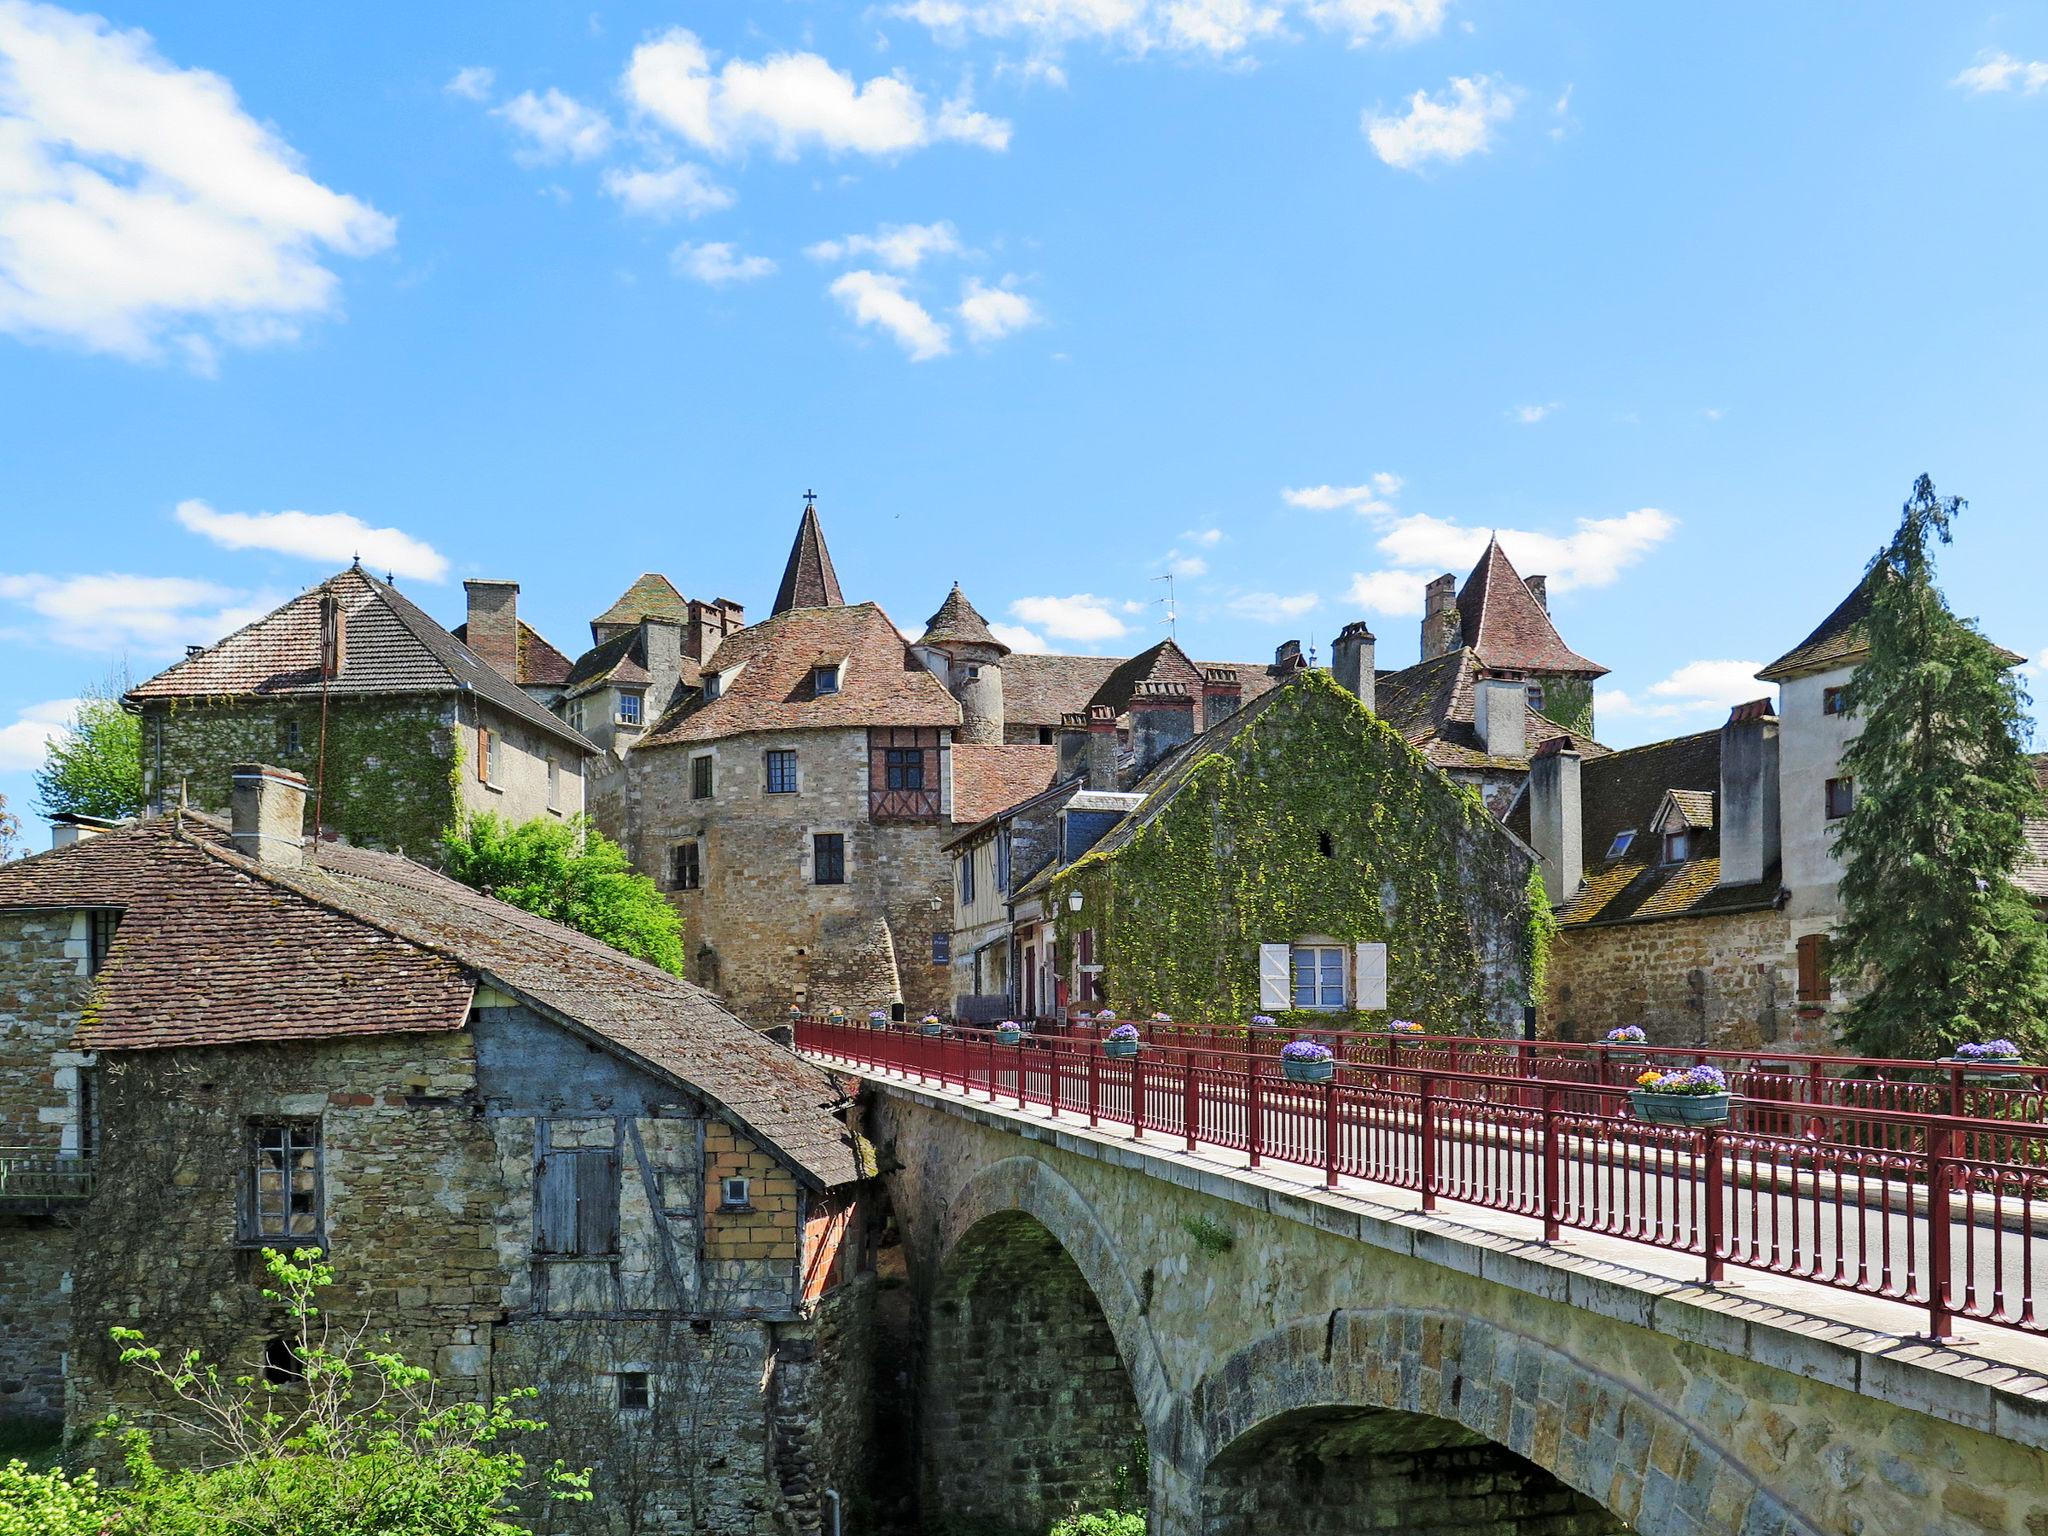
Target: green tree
point(1949, 949)
point(569, 871)
point(10, 833)
point(94, 768)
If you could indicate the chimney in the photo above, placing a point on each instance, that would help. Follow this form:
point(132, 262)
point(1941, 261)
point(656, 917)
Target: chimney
point(1073, 741)
point(1441, 625)
point(1287, 657)
point(1539, 588)
point(1162, 718)
point(333, 635)
point(1748, 811)
point(661, 652)
point(492, 632)
point(1500, 714)
point(1222, 694)
point(1556, 830)
point(1351, 662)
point(68, 827)
point(268, 815)
point(1101, 747)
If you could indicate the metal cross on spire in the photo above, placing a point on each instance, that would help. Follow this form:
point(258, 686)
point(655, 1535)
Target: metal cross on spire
point(810, 498)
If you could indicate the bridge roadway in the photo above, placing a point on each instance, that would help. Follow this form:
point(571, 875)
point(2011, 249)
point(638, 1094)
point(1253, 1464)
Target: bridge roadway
point(1823, 1466)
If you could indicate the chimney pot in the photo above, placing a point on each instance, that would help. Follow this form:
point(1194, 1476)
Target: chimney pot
point(193, 650)
point(1500, 714)
point(492, 631)
point(268, 815)
point(1441, 626)
point(1539, 588)
point(1352, 662)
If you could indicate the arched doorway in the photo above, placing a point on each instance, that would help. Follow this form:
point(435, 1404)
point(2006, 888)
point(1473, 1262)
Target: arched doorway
point(1027, 1412)
point(1333, 1471)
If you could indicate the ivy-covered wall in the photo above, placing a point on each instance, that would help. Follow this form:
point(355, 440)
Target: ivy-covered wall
point(1568, 702)
point(1237, 858)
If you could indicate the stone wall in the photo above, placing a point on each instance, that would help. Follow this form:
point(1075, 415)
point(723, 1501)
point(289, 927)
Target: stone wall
point(518, 790)
point(35, 1301)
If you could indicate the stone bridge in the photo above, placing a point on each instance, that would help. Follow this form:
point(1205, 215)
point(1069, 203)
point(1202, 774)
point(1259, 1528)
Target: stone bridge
point(1294, 1360)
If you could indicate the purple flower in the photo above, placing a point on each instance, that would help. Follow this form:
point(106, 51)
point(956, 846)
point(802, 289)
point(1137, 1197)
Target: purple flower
point(1262, 1021)
point(1628, 1034)
point(1404, 1027)
point(1306, 1050)
point(1123, 1032)
point(1107, 1016)
point(1988, 1050)
point(1685, 1080)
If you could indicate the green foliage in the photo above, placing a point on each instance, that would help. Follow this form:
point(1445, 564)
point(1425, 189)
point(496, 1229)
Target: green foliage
point(10, 833)
point(1951, 949)
point(94, 768)
point(1118, 1522)
point(1236, 859)
point(569, 871)
point(1568, 703)
point(50, 1504)
point(1540, 935)
point(1211, 1236)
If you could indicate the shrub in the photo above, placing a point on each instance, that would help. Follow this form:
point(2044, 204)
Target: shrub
point(1119, 1522)
point(51, 1504)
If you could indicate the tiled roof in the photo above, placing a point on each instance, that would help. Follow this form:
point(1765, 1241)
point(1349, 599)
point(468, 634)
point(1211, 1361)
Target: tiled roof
point(1038, 688)
point(2032, 875)
point(808, 581)
point(389, 646)
point(1504, 623)
point(1430, 703)
point(653, 594)
point(1836, 642)
point(988, 779)
point(621, 661)
point(1165, 663)
point(764, 672)
point(957, 622)
point(1697, 806)
point(214, 948)
point(540, 664)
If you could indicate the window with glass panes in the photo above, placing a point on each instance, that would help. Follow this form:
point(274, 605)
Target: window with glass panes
point(284, 1187)
point(700, 778)
point(904, 767)
point(828, 858)
point(781, 772)
point(1318, 976)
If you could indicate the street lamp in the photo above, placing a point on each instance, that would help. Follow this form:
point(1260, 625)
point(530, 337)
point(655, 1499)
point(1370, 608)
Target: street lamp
point(1073, 901)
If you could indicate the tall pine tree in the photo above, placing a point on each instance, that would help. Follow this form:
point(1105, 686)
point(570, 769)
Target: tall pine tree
point(1947, 946)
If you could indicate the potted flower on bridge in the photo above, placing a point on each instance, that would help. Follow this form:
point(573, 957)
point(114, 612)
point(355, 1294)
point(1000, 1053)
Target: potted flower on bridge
point(1009, 1032)
point(1625, 1043)
point(1404, 1032)
point(1121, 1042)
point(1308, 1061)
point(1981, 1060)
point(878, 1018)
point(1694, 1096)
point(931, 1024)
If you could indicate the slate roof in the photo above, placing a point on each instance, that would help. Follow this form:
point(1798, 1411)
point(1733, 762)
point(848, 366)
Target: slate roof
point(1431, 704)
point(216, 949)
point(390, 646)
point(764, 673)
point(957, 623)
point(1837, 641)
point(652, 594)
point(1039, 688)
point(989, 779)
point(1502, 621)
point(540, 665)
point(620, 661)
point(808, 581)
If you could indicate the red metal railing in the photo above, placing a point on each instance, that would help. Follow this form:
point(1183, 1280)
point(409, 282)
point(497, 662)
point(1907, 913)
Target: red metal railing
point(1941, 1211)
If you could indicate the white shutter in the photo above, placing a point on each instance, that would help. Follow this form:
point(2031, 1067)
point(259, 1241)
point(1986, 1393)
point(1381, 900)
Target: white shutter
point(1372, 977)
point(1273, 976)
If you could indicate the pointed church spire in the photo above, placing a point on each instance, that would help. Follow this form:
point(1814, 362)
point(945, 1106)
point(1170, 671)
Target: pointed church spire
point(808, 581)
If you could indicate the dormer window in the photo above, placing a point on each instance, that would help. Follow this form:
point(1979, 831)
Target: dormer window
point(629, 709)
point(824, 680)
point(1621, 842)
point(710, 686)
point(1677, 846)
point(1534, 689)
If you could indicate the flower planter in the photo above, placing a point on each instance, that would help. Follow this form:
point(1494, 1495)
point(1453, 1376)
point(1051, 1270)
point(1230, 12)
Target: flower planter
point(1626, 1052)
point(1985, 1069)
point(1695, 1109)
point(931, 1029)
point(1122, 1050)
point(878, 1023)
point(1009, 1036)
point(1404, 1042)
point(1308, 1071)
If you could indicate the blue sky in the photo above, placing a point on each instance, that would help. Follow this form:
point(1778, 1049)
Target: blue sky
point(1297, 298)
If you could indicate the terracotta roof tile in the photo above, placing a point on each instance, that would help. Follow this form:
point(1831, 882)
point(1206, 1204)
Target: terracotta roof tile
point(621, 660)
point(958, 623)
point(540, 664)
point(1510, 630)
point(988, 779)
point(1431, 704)
point(808, 581)
point(652, 594)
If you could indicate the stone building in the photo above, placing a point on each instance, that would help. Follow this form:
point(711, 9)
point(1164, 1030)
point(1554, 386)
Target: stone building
point(646, 652)
point(399, 726)
point(531, 1160)
point(496, 634)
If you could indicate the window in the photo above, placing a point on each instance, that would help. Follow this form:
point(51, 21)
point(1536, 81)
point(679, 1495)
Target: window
point(99, 938)
point(1534, 689)
point(1815, 983)
point(685, 867)
point(710, 681)
point(629, 708)
point(288, 744)
point(700, 778)
point(828, 858)
point(973, 673)
point(1832, 702)
point(486, 751)
point(824, 680)
point(904, 767)
point(967, 878)
point(636, 1391)
point(942, 949)
point(1318, 976)
point(1841, 798)
point(1045, 735)
point(1002, 865)
point(281, 1363)
point(1677, 847)
point(285, 1196)
point(1326, 845)
point(782, 773)
point(576, 1204)
point(1620, 844)
point(554, 785)
point(732, 1195)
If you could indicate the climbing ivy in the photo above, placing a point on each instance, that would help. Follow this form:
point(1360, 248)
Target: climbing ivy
point(1237, 857)
point(1539, 934)
point(1568, 704)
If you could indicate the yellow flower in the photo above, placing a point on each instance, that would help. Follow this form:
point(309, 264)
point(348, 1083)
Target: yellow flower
point(1648, 1079)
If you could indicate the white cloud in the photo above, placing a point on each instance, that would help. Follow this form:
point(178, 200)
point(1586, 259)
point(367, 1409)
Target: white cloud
point(25, 739)
point(556, 127)
point(717, 262)
point(1273, 607)
point(1208, 538)
point(1219, 28)
point(112, 612)
point(899, 247)
point(878, 299)
point(1529, 415)
point(333, 537)
point(142, 211)
point(792, 102)
point(1018, 638)
point(1080, 617)
point(1999, 71)
point(1594, 554)
point(472, 83)
point(1698, 687)
point(1561, 109)
point(1448, 126)
point(1713, 412)
point(1389, 592)
point(1186, 566)
point(684, 189)
point(1369, 497)
point(990, 314)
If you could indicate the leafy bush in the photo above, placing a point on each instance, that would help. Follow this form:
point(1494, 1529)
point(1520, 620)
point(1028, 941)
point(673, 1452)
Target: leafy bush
point(1117, 1522)
point(51, 1504)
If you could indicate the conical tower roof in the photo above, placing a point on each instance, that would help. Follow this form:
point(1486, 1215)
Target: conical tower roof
point(808, 581)
point(956, 623)
point(1504, 624)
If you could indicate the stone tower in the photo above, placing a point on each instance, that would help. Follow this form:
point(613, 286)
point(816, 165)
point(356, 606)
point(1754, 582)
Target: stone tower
point(959, 649)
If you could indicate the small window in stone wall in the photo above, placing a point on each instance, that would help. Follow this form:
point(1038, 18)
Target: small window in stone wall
point(700, 777)
point(1816, 984)
point(733, 1195)
point(284, 1195)
point(686, 867)
point(636, 1391)
point(781, 767)
point(282, 1366)
point(576, 1203)
point(828, 858)
point(288, 742)
point(99, 938)
point(1841, 798)
point(1834, 701)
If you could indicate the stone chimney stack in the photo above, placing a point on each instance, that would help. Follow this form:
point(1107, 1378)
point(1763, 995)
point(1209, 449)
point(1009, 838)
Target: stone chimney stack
point(661, 647)
point(492, 630)
point(1441, 625)
point(1073, 739)
point(1101, 747)
point(1539, 588)
point(1222, 694)
point(1748, 812)
point(1162, 718)
point(1352, 664)
point(1556, 828)
point(1287, 658)
point(267, 815)
point(1500, 714)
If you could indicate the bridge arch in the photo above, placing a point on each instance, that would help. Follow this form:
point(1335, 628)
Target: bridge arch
point(1343, 1416)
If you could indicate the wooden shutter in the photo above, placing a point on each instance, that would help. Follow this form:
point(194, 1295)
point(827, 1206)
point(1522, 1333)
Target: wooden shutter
point(554, 1198)
point(1371, 988)
point(1814, 983)
point(483, 755)
point(1273, 976)
point(597, 1203)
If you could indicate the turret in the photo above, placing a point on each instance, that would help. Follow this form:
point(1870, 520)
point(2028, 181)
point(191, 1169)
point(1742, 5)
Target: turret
point(962, 653)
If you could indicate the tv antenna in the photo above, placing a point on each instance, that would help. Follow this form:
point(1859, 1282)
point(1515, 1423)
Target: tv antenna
point(1172, 612)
